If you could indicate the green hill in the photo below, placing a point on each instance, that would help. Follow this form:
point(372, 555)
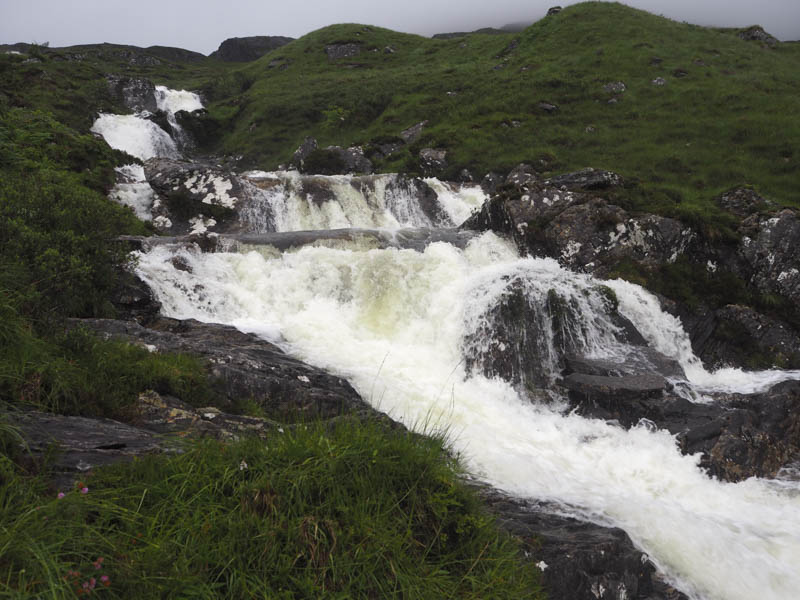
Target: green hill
point(724, 116)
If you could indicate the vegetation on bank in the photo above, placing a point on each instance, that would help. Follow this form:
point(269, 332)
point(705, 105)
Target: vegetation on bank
point(345, 510)
point(349, 511)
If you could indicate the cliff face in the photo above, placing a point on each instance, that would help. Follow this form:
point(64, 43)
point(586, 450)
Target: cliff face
point(245, 49)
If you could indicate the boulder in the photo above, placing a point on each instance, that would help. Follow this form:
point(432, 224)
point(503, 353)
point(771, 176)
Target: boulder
point(738, 436)
point(743, 202)
point(433, 160)
point(136, 94)
point(245, 49)
point(772, 256)
point(303, 150)
point(614, 87)
point(587, 179)
point(411, 134)
point(553, 10)
point(193, 197)
point(335, 160)
point(522, 176)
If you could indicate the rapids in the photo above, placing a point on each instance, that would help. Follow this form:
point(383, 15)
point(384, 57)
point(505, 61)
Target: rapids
point(394, 321)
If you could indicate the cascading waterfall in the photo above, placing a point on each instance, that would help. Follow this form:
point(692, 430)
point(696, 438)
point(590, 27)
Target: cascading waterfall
point(289, 201)
point(140, 137)
point(401, 324)
point(393, 322)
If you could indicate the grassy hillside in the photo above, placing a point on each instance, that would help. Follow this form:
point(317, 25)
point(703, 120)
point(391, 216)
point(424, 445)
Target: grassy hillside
point(725, 116)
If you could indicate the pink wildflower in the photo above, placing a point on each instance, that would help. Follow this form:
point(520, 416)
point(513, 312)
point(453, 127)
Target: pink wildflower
point(60, 495)
point(84, 490)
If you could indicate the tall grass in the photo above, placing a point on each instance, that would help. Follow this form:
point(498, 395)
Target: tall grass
point(350, 511)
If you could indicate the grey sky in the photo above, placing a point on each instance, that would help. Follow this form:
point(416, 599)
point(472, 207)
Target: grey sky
point(201, 25)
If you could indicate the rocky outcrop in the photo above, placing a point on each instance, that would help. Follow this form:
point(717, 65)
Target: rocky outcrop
point(738, 436)
point(134, 93)
point(303, 150)
point(562, 218)
point(756, 33)
point(432, 161)
point(193, 197)
point(333, 160)
point(245, 49)
point(579, 560)
point(242, 366)
point(337, 51)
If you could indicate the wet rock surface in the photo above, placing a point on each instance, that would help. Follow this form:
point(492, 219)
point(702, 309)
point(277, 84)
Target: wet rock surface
point(193, 196)
point(579, 560)
point(242, 365)
point(738, 436)
point(137, 94)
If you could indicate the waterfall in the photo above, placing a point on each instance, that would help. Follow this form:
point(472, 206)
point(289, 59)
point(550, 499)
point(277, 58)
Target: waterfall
point(411, 329)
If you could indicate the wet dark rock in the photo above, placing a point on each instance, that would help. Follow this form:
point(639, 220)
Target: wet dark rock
point(433, 160)
point(411, 134)
point(335, 160)
point(579, 560)
point(133, 299)
point(522, 176)
point(587, 179)
point(582, 231)
point(738, 436)
point(736, 335)
point(82, 443)
point(245, 49)
point(243, 365)
point(307, 147)
point(490, 182)
point(199, 127)
point(337, 51)
point(193, 196)
point(464, 176)
point(134, 93)
point(612, 390)
point(756, 33)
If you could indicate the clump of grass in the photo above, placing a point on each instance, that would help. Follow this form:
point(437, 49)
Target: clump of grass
point(349, 511)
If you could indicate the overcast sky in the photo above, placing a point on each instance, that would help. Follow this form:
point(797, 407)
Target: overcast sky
point(201, 25)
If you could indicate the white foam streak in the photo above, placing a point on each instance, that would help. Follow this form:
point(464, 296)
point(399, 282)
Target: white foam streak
point(665, 333)
point(392, 322)
point(135, 135)
point(132, 190)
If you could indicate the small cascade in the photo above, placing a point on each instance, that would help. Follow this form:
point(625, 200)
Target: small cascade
point(138, 135)
point(173, 101)
point(289, 201)
point(133, 191)
point(397, 323)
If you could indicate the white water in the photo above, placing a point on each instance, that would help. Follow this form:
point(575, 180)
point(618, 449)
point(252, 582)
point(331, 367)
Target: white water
point(665, 333)
point(135, 135)
point(392, 321)
point(132, 190)
point(289, 201)
point(140, 137)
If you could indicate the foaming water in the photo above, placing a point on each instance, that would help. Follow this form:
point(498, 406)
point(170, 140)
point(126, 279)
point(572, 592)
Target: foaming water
point(665, 333)
point(135, 135)
point(393, 322)
point(139, 136)
point(133, 191)
point(289, 201)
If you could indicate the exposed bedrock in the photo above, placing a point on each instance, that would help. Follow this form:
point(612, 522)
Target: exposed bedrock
point(573, 219)
point(242, 365)
point(579, 560)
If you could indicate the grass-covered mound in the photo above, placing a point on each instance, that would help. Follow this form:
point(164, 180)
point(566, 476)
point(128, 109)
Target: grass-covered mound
point(725, 115)
point(350, 511)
